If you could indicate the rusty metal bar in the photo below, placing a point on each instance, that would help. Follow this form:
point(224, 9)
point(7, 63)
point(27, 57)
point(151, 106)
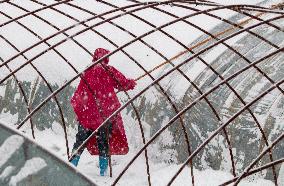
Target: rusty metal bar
point(138, 117)
point(32, 12)
point(133, 40)
point(44, 79)
point(176, 68)
point(235, 115)
point(205, 94)
point(94, 25)
point(258, 69)
point(20, 87)
point(61, 31)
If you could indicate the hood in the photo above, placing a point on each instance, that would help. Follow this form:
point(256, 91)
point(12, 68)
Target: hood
point(99, 53)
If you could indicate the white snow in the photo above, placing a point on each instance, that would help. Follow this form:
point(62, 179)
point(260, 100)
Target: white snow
point(31, 166)
point(9, 118)
point(6, 172)
point(161, 172)
point(281, 178)
point(9, 147)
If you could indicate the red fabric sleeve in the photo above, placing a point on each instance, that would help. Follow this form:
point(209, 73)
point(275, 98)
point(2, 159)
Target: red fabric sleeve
point(120, 81)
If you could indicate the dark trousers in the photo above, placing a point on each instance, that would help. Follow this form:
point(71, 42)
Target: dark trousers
point(102, 139)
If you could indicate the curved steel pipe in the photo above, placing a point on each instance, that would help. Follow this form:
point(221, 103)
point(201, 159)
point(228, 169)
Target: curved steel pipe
point(205, 94)
point(232, 118)
point(116, 49)
point(135, 109)
point(20, 86)
point(183, 19)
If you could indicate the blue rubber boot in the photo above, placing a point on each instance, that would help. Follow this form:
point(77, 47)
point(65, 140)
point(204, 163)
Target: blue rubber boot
point(103, 161)
point(75, 160)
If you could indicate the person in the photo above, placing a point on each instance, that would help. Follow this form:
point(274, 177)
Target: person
point(95, 100)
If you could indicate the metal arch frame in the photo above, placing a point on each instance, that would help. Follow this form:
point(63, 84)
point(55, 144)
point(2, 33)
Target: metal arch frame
point(66, 61)
point(163, 91)
point(220, 76)
point(64, 126)
point(43, 40)
point(6, 61)
point(44, 79)
point(20, 87)
point(89, 52)
point(202, 96)
point(278, 87)
point(138, 117)
point(224, 132)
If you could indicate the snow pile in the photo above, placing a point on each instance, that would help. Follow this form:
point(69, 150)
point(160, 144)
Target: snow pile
point(9, 147)
point(31, 166)
point(136, 175)
point(6, 172)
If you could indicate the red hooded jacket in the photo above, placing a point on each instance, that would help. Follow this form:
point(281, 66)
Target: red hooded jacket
point(95, 100)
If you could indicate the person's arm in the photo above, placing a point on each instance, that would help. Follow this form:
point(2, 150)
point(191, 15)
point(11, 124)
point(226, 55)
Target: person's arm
point(120, 81)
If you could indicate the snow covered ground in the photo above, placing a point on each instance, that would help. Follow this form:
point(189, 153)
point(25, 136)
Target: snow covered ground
point(161, 173)
point(53, 139)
